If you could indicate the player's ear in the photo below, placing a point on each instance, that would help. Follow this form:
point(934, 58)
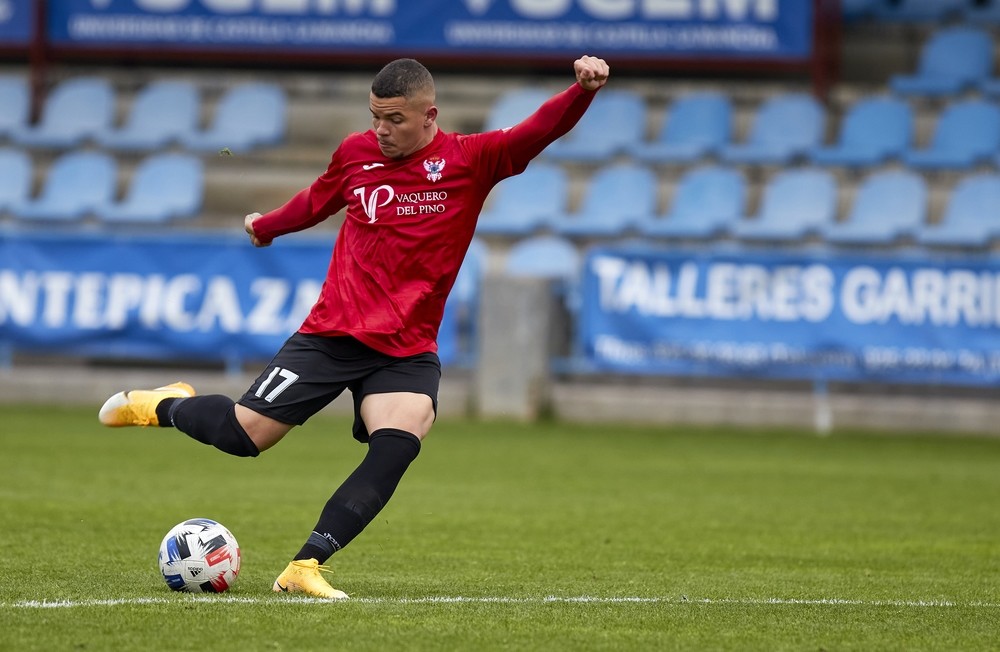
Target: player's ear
point(430, 115)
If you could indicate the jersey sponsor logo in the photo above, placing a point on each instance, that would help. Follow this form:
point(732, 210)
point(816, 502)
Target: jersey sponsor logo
point(378, 198)
point(434, 165)
point(372, 166)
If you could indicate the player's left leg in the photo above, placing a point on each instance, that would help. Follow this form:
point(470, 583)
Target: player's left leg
point(397, 406)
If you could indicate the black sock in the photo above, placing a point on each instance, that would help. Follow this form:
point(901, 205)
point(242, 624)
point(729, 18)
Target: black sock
point(210, 419)
point(365, 492)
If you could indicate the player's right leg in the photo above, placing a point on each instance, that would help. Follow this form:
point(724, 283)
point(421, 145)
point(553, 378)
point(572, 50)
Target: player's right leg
point(210, 419)
point(138, 407)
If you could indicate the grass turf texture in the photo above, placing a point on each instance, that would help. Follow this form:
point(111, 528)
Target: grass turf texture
point(670, 538)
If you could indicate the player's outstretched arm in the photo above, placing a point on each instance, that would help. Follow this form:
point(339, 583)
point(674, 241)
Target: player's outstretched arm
point(591, 72)
point(559, 114)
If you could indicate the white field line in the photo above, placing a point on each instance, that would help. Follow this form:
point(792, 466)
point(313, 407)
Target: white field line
point(583, 599)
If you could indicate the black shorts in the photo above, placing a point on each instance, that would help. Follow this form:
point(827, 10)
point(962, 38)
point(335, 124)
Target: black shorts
point(311, 370)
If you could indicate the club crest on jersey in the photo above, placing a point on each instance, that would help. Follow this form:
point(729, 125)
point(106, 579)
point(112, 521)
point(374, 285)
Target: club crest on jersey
point(434, 165)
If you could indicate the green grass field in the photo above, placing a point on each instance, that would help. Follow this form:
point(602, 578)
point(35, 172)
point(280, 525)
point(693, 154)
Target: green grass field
point(511, 537)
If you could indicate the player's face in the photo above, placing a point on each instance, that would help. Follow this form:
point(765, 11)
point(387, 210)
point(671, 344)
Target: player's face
point(402, 125)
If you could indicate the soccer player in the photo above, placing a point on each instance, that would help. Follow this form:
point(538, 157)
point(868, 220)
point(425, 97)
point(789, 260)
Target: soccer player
point(413, 194)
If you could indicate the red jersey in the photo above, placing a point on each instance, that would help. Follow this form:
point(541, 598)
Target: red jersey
point(408, 224)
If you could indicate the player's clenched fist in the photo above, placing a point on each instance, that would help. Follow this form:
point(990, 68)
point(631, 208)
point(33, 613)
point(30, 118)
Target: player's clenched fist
point(591, 72)
point(248, 226)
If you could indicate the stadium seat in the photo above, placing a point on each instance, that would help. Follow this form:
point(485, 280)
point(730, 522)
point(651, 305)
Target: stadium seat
point(514, 106)
point(951, 61)
point(694, 126)
point(162, 112)
point(990, 87)
point(795, 204)
point(966, 133)
point(784, 127)
point(615, 121)
point(544, 256)
point(874, 130)
point(917, 11)
point(617, 198)
point(15, 104)
point(15, 178)
point(854, 10)
point(77, 109)
point(247, 116)
point(982, 13)
point(970, 218)
point(889, 205)
point(77, 184)
point(470, 275)
point(522, 204)
point(706, 201)
point(164, 187)
point(459, 325)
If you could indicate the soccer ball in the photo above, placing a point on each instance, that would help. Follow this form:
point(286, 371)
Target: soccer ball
point(199, 556)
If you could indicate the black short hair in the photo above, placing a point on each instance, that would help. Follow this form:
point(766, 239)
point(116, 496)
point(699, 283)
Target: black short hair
point(402, 78)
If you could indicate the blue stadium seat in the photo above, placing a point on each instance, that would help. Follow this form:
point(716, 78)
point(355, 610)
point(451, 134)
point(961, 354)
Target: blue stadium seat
point(544, 256)
point(614, 122)
point(162, 112)
point(522, 204)
point(15, 178)
point(694, 126)
point(78, 184)
point(971, 217)
point(77, 109)
point(514, 106)
point(784, 127)
point(459, 325)
point(874, 130)
point(470, 275)
point(951, 61)
point(164, 187)
point(854, 10)
point(982, 13)
point(990, 87)
point(889, 205)
point(706, 201)
point(917, 11)
point(247, 116)
point(617, 198)
point(15, 104)
point(795, 204)
point(966, 133)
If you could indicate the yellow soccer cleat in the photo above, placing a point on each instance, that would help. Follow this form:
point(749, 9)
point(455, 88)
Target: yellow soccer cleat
point(138, 407)
point(303, 576)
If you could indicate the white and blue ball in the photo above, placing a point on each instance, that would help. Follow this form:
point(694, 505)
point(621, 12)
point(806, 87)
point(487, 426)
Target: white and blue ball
point(199, 556)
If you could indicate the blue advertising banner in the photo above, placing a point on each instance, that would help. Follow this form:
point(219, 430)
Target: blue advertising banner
point(212, 297)
point(749, 29)
point(912, 320)
point(16, 22)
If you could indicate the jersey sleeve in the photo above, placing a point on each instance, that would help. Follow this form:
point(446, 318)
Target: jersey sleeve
point(507, 152)
point(306, 208)
point(553, 119)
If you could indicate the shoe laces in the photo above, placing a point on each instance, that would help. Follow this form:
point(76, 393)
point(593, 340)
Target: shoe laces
point(137, 418)
point(322, 568)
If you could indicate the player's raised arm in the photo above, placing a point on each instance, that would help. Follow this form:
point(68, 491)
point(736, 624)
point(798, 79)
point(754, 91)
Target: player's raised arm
point(559, 114)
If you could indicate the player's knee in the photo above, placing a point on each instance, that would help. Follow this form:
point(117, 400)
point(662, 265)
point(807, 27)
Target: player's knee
point(263, 431)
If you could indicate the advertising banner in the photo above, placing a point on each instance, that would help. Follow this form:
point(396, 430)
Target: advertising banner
point(16, 22)
point(743, 29)
point(211, 298)
point(909, 320)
